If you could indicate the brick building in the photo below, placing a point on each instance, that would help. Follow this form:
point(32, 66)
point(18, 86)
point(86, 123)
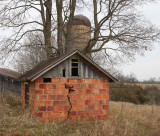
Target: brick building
point(68, 87)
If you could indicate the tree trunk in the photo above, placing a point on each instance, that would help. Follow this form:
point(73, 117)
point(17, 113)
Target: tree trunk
point(69, 26)
point(47, 28)
point(93, 41)
point(59, 5)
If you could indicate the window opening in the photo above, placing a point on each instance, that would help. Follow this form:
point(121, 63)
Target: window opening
point(46, 80)
point(74, 60)
point(64, 73)
point(74, 70)
point(75, 64)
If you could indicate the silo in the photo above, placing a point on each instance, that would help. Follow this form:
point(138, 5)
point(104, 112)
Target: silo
point(81, 33)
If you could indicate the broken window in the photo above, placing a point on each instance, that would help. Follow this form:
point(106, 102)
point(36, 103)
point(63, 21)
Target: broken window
point(74, 69)
point(46, 80)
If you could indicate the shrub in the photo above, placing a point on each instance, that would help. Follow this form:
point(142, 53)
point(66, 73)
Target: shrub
point(135, 94)
point(153, 95)
point(13, 100)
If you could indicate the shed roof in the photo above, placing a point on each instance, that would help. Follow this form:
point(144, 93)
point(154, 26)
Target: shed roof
point(51, 63)
point(9, 73)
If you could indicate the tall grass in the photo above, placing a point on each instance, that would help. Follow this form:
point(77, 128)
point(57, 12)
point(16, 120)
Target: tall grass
point(125, 119)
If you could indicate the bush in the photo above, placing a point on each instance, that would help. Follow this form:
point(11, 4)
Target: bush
point(135, 94)
point(153, 95)
point(13, 100)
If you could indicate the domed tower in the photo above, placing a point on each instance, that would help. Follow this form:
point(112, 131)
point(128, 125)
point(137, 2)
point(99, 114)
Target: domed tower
point(80, 33)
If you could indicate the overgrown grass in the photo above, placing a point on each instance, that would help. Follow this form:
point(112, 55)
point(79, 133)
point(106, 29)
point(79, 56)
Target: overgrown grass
point(125, 119)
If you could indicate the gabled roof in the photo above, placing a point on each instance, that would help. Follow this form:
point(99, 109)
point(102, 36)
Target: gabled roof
point(51, 63)
point(9, 73)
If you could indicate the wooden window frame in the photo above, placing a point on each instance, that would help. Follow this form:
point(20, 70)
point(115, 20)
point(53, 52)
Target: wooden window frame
point(78, 67)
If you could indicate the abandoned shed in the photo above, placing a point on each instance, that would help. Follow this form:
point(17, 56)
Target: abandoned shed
point(70, 86)
point(9, 82)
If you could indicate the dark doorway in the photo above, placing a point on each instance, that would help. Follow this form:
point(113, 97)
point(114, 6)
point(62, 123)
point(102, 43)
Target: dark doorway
point(26, 87)
point(64, 73)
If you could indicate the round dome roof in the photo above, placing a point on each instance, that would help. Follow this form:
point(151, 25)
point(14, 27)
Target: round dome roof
point(81, 20)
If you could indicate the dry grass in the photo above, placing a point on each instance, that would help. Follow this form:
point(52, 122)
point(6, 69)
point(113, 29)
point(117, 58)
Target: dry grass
point(125, 119)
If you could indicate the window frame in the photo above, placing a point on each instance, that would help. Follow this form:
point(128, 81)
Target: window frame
point(78, 66)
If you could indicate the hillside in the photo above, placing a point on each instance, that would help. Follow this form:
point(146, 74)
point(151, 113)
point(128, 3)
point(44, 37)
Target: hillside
point(125, 119)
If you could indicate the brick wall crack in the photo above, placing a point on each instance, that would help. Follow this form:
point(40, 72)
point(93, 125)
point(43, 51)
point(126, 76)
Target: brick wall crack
point(69, 111)
point(70, 90)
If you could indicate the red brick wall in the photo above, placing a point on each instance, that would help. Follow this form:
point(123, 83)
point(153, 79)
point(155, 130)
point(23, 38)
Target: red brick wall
point(70, 99)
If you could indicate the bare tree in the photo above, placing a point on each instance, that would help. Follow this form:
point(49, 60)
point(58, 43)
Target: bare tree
point(121, 30)
point(23, 17)
point(118, 30)
point(31, 54)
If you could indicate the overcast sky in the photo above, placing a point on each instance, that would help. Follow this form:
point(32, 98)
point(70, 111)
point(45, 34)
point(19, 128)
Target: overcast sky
point(147, 66)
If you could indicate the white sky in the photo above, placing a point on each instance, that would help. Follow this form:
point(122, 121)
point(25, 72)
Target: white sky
point(147, 66)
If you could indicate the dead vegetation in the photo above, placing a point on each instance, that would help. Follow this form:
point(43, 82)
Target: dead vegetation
point(135, 94)
point(125, 119)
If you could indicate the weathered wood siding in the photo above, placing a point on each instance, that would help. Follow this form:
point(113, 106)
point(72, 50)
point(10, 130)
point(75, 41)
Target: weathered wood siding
point(85, 71)
point(9, 85)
